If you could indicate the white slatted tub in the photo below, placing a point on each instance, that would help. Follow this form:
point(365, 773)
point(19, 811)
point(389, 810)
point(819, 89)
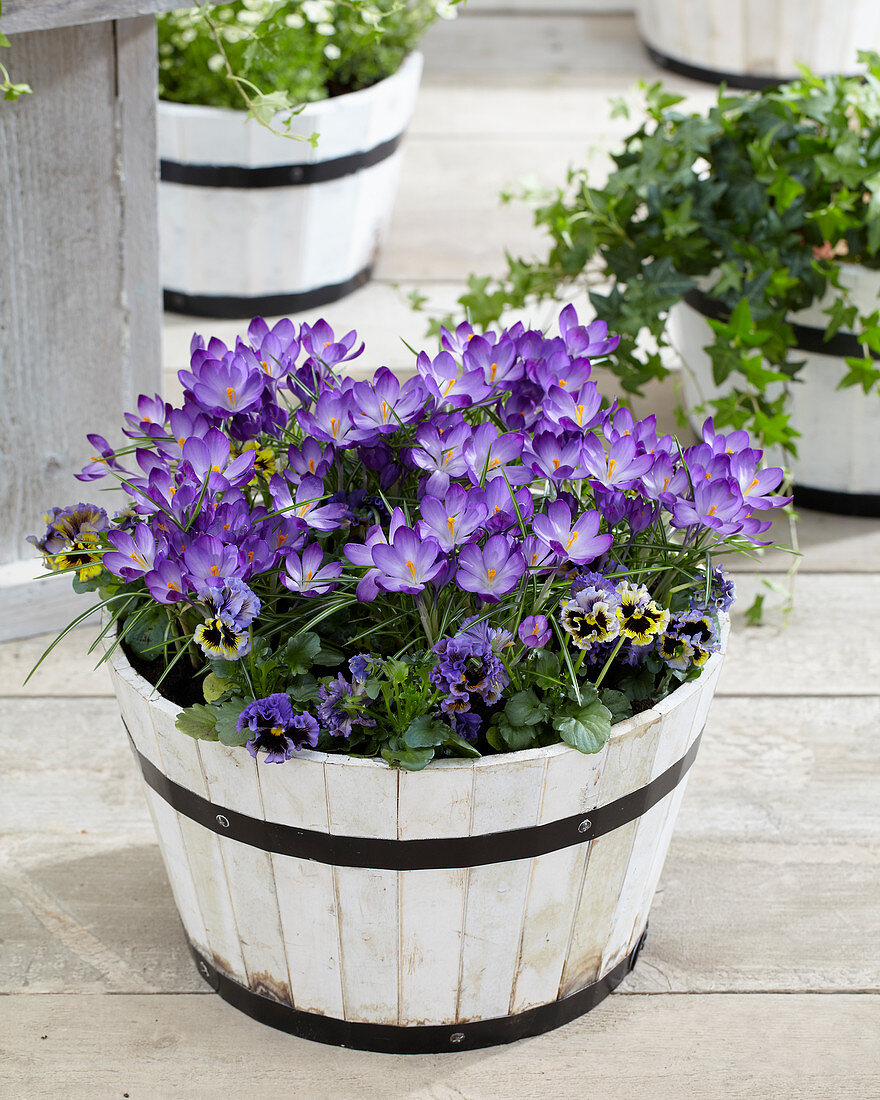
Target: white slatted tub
point(752, 43)
point(482, 939)
point(252, 223)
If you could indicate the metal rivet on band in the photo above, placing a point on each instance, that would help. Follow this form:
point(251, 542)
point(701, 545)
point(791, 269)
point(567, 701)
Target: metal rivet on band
point(203, 967)
point(584, 825)
point(223, 821)
point(457, 1037)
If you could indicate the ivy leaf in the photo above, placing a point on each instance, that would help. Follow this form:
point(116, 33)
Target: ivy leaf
point(426, 731)
point(199, 722)
point(862, 372)
point(755, 612)
point(585, 728)
point(785, 189)
point(227, 722)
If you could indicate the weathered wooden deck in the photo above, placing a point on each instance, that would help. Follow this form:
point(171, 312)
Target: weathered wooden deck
point(761, 973)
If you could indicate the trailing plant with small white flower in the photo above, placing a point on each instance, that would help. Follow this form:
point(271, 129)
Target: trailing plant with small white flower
point(486, 557)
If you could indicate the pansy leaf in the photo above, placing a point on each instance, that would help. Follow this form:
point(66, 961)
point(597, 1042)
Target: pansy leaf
point(411, 760)
point(227, 719)
point(398, 672)
point(525, 709)
point(213, 688)
point(146, 633)
point(585, 728)
point(617, 703)
point(462, 747)
point(304, 689)
point(299, 653)
point(199, 722)
point(516, 738)
point(426, 731)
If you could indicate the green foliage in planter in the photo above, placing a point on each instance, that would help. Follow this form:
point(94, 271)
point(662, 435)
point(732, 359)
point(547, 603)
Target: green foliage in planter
point(305, 49)
point(754, 203)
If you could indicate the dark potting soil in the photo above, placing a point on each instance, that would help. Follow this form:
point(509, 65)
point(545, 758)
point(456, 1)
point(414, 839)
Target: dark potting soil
point(181, 686)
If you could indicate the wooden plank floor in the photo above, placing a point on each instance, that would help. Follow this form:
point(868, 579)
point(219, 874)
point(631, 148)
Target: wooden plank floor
point(761, 973)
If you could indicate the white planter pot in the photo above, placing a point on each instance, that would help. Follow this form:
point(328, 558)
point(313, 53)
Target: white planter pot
point(253, 223)
point(469, 904)
point(753, 43)
point(838, 463)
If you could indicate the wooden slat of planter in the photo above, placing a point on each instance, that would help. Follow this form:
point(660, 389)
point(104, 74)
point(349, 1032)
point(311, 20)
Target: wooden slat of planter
point(362, 801)
point(504, 798)
point(436, 802)
point(627, 767)
point(231, 779)
point(180, 758)
point(40, 15)
point(570, 785)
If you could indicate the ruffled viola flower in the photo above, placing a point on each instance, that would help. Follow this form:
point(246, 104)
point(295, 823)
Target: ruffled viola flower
point(452, 521)
point(592, 615)
point(73, 539)
point(642, 619)
point(466, 666)
point(343, 705)
point(621, 467)
point(135, 553)
point(555, 457)
point(498, 361)
point(578, 542)
point(490, 572)
point(690, 639)
point(384, 406)
point(534, 631)
point(590, 340)
point(277, 730)
point(722, 593)
point(306, 576)
point(479, 629)
point(675, 651)
point(232, 598)
point(228, 386)
point(361, 665)
point(448, 385)
point(222, 637)
point(209, 561)
point(466, 724)
point(407, 563)
point(264, 461)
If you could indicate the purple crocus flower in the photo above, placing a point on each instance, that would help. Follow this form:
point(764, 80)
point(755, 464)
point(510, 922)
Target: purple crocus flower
point(574, 411)
point(306, 575)
point(578, 542)
point(407, 563)
point(309, 507)
point(502, 504)
point(384, 406)
point(440, 454)
point(152, 412)
point(361, 554)
point(493, 571)
point(330, 419)
point(277, 730)
point(207, 560)
point(498, 362)
point(448, 385)
point(756, 485)
point(167, 583)
point(556, 457)
point(135, 553)
point(716, 505)
point(490, 455)
point(208, 460)
point(456, 342)
point(103, 459)
point(454, 520)
point(310, 458)
point(534, 631)
point(592, 339)
point(621, 467)
point(319, 342)
point(228, 386)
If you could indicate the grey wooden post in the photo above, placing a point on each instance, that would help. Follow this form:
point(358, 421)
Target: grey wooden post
point(80, 313)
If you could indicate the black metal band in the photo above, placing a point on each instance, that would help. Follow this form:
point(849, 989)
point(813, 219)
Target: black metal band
point(434, 1039)
point(275, 175)
point(413, 855)
point(747, 81)
point(841, 504)
point(230, 308)
point(807, 338)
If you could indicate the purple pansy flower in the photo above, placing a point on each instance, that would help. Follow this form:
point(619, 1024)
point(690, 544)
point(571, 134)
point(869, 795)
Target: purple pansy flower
point(277, 730)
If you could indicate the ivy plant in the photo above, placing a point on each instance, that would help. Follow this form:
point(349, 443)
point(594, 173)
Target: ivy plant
point(757, 202)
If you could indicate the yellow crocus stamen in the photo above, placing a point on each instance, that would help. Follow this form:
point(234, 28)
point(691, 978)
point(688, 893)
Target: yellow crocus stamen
point(563, 382)
point(451, 524)
point(230, 393)
point(712, 510)
point(309, 575)
point(334, 426)
point(612, 462)
point(492, 371)
point(139, 560)
point(754, 483)
point(385, 410)
point(311, 465)
point(555, 463)
point(216, 469)
point(490, 573)
point(215, 570)
point(264, 365)
point(575, 535)
point(412, 570)
point(449, 385)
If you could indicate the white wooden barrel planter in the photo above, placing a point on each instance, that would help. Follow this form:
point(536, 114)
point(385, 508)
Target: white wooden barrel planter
point(757, 43)
point(473, 903)
point(838, 464)
point(251, 223)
